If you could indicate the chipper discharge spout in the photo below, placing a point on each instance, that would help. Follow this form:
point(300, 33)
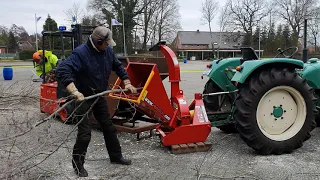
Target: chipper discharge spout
point(182, 127)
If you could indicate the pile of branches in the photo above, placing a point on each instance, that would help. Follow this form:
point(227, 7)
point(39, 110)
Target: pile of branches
point(28, 138)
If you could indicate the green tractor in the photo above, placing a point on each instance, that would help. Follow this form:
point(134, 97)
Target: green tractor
point(271, 103)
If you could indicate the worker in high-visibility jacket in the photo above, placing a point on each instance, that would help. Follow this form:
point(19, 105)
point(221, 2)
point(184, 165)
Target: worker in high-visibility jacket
point(50, 61)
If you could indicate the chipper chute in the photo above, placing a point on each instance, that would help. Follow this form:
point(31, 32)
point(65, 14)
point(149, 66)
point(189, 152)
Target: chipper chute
point(181, 126)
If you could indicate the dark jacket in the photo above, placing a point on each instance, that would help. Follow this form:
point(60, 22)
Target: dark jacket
point(90, 69)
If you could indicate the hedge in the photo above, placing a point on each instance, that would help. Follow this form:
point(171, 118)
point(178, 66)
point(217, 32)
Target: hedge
point(27, 54)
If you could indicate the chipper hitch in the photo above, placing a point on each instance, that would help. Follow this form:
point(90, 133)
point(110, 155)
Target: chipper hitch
point(182, 127)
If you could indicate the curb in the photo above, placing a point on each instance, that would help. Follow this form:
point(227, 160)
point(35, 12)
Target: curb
point(17, 66)
point(191, 71)
point(23, 66)
point(15, 60)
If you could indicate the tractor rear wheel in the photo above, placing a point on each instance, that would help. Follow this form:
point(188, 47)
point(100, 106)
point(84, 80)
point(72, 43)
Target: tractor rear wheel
point(317, 94)
point(211, 104)
point(275, 111)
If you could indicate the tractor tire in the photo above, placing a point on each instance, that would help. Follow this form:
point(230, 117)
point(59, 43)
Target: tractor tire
point(318, 120)
point(211, 104)
point(275, 111)
point(317, 94)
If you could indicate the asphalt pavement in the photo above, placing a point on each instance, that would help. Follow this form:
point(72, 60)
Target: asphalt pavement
point(229, 158)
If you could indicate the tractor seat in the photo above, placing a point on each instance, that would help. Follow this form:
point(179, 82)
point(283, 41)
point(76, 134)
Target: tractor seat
point(248, 54)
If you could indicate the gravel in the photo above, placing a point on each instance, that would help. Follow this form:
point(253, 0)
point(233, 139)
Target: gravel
point(229, 158)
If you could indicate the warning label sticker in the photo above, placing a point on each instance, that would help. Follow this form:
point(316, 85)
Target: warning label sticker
point(145, 92)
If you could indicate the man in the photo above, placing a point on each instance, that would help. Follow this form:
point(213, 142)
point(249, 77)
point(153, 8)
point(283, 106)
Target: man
point(50, 61)
point(84, 73)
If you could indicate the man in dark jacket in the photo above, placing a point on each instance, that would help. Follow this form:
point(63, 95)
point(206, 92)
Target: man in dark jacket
point(84, 73)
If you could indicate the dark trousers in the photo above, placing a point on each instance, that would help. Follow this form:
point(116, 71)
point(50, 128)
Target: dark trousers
point(101, 114)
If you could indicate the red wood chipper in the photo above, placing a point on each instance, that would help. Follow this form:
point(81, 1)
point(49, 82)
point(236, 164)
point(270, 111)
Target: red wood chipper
point(182, 127)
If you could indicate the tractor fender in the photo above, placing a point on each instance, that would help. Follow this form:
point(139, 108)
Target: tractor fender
point(222, 71)
point(311, 72)
point(249, 68)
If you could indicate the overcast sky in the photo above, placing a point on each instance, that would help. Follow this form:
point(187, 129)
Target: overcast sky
point(22, 13)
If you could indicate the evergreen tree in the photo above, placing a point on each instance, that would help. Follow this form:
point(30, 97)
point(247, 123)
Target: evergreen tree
point(279, 38)
point(264, 37)
point(50, 24)
point(12, 43)
point(271, 40)
point(286, 37)
point(247, 39)
point(4, 38)
point(255, 38)
point(51, 43)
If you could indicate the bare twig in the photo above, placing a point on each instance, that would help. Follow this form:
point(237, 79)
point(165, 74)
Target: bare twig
point(24, 154)
point(53, 114)
point(86, 98)
point(56, 149)
point(58, 110)
point(209, 151)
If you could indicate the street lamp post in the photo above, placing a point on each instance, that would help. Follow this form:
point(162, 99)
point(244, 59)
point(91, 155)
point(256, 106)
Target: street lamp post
point(259, 36)
point(124, 34)
point(215, 56)
point(35, 16)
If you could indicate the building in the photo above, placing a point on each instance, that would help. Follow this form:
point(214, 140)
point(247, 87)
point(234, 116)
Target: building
point(3, 49)
point(25, 45)
point(197, 45)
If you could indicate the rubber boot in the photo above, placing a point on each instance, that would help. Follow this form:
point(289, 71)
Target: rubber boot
point(77, 164)
point(121, 161)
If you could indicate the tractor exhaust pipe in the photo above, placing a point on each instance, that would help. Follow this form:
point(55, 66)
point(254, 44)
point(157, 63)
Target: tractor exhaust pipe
point(305, 50)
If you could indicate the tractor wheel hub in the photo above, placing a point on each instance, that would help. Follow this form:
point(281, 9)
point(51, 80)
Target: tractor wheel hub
point(277, 112)
point(280, 113)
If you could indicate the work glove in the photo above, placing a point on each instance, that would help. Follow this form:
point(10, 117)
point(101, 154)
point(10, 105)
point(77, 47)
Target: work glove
point(71, 88)
point(128, 85)
point(78, 95)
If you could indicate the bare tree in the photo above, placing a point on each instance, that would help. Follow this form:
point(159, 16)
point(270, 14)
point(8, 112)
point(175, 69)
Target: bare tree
point(123, 10)
point(74, 13)
point(208, 10)
point(314, 28)
point(223, 21)
point(149, 11)
point(246, 14)
point(294, 12)
point(165, 22)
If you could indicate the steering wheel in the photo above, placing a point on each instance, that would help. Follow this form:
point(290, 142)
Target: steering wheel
point(282, 51)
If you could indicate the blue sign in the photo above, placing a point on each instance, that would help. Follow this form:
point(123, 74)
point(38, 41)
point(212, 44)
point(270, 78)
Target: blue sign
point(62, 28)
point(74, 19)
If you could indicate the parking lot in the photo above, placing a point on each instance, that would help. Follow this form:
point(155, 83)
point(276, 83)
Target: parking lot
point(229, 158)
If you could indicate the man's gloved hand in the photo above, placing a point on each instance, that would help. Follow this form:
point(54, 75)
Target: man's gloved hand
point(128, 85)
point(71, 88)
point(53, 71)
point(45, 77)
point(79, 96)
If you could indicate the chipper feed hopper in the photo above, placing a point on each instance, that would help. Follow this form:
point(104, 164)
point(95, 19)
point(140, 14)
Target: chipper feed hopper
point(182, 127)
